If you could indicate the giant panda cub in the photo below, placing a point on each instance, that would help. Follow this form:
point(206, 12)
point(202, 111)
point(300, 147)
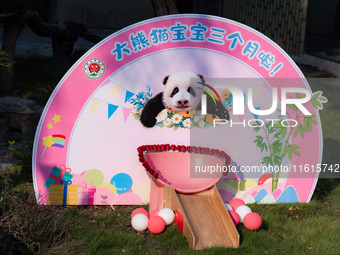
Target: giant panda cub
point(180, 94)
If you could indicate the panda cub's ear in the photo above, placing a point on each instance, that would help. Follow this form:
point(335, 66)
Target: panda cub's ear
point(165, 80)
point(202, 78)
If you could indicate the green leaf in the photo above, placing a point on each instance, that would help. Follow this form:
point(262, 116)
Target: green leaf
point(310, 116)
point(278, 133)
point(303, 127)
point(285, 151)
point(313, 121)
point(283, 134)
point(306, 123)
point(271, 130)
point(323, 99)
point(296, 152)
point(271, 122)
point(276, 142)
point(255, 124)
point(290, 153)
point(318, 103)
point(302, 133)
point(296, 130)
point(277, 160)
point(277, 147)
point(266, 160)
point(268, 124)
point(293, 107)
point(310, 126)
point(265, 147)
point(314, 105)
point(298, 95)
point(257, 129)
point(258, 141)
point(294, 146)
point(316, 94)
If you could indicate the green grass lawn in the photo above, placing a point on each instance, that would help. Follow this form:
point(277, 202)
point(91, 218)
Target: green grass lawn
point(26, 228)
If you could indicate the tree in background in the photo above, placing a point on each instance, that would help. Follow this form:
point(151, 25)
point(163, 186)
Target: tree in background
point(165, 7)
point(15, 15)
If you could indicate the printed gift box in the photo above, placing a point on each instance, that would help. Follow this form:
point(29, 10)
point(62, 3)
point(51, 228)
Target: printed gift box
point(63, 194)
point(86, 195)
point(57, 175)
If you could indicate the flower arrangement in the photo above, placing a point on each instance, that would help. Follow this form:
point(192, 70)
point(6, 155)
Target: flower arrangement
point(142, 150)
point(184, 119)
point(139, 100)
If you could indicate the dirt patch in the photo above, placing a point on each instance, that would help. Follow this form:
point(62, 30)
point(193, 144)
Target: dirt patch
point(313, 72)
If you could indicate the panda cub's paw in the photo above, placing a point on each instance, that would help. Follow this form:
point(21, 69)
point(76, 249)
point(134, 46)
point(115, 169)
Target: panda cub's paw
point(151, 109)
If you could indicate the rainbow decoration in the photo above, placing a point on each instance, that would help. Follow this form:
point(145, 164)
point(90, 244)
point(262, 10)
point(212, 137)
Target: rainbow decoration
point(56, 140)
point(59, 141)
point(213, 90)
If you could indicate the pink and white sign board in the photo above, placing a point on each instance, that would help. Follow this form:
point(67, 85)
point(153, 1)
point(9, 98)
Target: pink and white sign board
point(89, 129)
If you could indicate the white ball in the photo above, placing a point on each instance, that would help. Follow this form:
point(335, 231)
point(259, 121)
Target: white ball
point(228, 206)
point(242, 211)
point(167, 214)
point(139, 222)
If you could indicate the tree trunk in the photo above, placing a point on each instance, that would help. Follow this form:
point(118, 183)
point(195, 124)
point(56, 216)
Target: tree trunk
point(12, 30)
point(63, 35)
point(165, 7)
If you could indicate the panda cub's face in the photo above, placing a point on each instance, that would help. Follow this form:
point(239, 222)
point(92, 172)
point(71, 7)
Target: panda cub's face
point(179, 93)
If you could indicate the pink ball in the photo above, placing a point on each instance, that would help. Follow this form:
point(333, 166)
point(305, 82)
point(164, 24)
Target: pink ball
point(236, 202)
point(139, 211)
point(153, 213)
point(235, 218)
point(156, 225)
point(252, 221)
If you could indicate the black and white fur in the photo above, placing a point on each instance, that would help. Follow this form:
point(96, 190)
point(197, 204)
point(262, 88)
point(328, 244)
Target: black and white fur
point(180, 94)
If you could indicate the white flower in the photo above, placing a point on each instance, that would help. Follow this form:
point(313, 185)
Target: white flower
point(201, 124)
point(162, 115)
point(177, 118)
point(167, 122)
point(186, 123)
point(197, 118)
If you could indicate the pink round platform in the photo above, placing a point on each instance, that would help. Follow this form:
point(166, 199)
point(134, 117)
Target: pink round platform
point(179, 170)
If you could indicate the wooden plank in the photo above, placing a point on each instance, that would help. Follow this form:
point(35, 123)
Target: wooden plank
point(206, 221)
point(209, 220)
point(227, 222)
point(172, 201)
point(167, 194)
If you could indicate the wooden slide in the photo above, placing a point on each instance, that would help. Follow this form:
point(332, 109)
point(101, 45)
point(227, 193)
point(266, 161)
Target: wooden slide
point(202, 218)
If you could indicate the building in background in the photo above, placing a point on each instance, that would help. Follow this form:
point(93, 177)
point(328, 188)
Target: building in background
point(298, 26)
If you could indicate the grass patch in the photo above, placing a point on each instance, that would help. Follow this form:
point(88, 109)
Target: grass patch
point(26, 228)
